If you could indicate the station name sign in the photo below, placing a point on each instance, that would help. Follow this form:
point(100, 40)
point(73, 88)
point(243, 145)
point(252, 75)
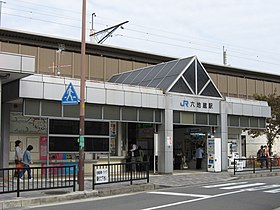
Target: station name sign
point(200, 105)
point(195, 104)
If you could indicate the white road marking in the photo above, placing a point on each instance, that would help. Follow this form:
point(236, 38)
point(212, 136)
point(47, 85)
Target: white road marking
point(242, 186)
point(190, 201)
point(224, 185)
point(262, 187)
point(180, 194)
point(273, 191)
point(204, 197)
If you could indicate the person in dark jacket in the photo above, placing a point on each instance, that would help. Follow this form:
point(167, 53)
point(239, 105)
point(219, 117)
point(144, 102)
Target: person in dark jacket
point(27, 161)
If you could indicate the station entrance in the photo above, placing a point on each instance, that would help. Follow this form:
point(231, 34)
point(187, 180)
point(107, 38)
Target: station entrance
point(186, 140)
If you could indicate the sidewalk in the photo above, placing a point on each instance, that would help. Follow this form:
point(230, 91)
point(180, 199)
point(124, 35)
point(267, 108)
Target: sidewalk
point(178, 178)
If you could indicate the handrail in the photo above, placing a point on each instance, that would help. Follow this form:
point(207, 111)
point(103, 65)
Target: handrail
point(48, 177)
point(254, 165)
point(119, 172)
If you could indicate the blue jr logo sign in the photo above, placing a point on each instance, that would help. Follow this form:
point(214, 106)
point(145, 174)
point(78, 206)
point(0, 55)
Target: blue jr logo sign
point(184, 103)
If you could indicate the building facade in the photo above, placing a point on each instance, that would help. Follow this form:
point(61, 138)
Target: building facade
point(195, 100)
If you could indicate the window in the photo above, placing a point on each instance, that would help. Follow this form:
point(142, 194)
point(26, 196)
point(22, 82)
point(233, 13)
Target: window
point(201, 119)
point(64, 127)
point(244, 121)
point(213, 119)
point(111, 113)
point(51, 108)
point(146, 115)
point(253, 122)
point(32, 107)
point(64, 135)
point(129, 114)
point(233, 120)
point(97, 128)
point(187, 118)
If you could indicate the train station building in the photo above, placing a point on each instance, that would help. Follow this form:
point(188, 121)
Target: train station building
point(131, 98)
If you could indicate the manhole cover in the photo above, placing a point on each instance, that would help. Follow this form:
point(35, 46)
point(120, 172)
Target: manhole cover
point(55, 192)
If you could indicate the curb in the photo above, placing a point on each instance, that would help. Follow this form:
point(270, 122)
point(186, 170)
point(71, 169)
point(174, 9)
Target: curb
point(27, 202)
point(256, 175)
point(37, 201)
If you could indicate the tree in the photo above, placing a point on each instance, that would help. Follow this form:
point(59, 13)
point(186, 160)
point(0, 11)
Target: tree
point(272, 129)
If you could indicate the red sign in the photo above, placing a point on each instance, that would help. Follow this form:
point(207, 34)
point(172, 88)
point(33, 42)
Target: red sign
point(43, 147)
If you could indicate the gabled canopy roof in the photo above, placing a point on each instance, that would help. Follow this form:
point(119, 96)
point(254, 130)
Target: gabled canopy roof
point(186, 76)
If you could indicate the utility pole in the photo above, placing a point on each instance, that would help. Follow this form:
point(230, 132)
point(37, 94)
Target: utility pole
point(224, 56)
point(82, 100)
point(1, 2)
point(92, 40)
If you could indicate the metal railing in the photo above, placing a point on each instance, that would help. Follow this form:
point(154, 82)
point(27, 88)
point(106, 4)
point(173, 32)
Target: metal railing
point(254, 165)
point(43, 178)
point(119, 172)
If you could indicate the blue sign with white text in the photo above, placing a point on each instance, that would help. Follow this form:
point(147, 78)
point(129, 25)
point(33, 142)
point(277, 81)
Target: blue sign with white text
point(70, 96)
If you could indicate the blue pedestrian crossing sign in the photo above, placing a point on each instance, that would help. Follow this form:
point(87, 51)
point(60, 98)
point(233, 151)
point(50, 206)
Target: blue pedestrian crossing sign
point(70, 96)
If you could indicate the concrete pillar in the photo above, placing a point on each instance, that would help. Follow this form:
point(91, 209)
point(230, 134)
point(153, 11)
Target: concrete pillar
point(5, 135)
point(4, 132)
point(165, 131)
point(2, 139)
point(120, 139)
point(222, 132)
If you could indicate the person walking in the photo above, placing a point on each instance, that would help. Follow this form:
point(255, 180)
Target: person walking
point(133, 156)
point(27, 161)
point(261, 156)
point(266, 156)
point(139, 158)
point(140, 155)
point(18, 158)
point(199, 155)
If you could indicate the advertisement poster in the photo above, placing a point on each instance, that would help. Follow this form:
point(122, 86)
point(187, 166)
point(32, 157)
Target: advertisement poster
point(43, 147)
point(113, 129)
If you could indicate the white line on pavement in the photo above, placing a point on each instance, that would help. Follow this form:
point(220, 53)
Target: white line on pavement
point(204, 197)
point(262, 187)
point(180, 194)
point(273, 191)
point(242, 186)
point(190, 201)
point(224, 185)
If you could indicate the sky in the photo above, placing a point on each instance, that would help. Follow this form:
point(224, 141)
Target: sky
point(249, 31)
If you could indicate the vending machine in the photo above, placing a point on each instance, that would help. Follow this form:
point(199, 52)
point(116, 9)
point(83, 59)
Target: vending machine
point(214, 155)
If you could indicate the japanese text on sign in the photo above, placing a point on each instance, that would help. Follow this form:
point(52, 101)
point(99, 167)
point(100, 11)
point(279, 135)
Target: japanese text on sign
point(203, 105)
point(101, 176)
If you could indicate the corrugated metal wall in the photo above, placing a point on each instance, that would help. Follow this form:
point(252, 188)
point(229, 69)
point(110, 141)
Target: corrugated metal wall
point(102, 68)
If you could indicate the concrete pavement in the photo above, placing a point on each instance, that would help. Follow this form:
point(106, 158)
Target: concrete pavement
point(178, 178)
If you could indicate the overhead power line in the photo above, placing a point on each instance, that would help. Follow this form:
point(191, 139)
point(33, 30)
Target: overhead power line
point(43, 13)
point(44, 6)
point(42, 20)
point(172, 38)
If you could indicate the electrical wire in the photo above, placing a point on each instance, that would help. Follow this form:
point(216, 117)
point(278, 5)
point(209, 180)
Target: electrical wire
point(46, 21)
point(42, 13)
point(151, 28)
point(212, 43)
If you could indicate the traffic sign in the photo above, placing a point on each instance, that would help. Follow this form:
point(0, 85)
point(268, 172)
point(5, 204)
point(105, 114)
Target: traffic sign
point(70, 96)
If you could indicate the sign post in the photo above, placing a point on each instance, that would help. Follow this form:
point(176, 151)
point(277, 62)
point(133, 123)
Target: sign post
point(155, 150)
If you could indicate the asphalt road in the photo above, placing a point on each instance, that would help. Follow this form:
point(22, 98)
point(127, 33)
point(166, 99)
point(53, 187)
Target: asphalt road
point(258, 194)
